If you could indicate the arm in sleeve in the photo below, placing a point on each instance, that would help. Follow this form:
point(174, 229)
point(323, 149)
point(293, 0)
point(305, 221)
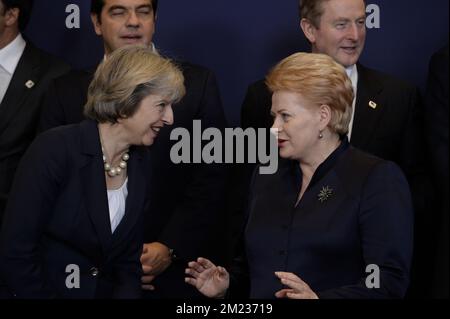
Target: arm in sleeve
point(412, 156)
point(129, 270)
point(52, 114)
point(386, 228)
point(239, 270)
point(35, 189)
point(198, 216)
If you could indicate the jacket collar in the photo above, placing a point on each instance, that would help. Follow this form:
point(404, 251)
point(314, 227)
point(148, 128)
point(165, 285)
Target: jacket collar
point(23, 81)
point(368, 107)
point(93, 178)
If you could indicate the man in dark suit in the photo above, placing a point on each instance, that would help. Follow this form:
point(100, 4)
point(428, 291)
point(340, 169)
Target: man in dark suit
point(437, 108)
point(185, 217)
point(387, 113)
point(386, 118)
point(25, 72)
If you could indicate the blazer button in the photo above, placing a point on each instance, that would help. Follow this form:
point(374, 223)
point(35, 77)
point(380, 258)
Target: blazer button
point(94, 272)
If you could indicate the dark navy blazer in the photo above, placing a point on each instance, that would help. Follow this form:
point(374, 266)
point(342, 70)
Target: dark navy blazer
point(186, 208)
point(367, 218)
point(58, 215)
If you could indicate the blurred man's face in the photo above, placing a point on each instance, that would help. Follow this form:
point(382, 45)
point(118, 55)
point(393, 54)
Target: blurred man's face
point(341, 33)
point(125, 22)
point(2, 19)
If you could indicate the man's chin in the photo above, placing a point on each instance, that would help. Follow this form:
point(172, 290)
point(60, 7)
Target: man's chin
point(126, 42)
point(348, 61)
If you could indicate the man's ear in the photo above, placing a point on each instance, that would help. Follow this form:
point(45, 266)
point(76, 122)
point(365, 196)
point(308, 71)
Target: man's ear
point(12, 16)
point(97, 24)
point(308, 29)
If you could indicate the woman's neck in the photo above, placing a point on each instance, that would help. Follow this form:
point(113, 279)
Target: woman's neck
point(324, 149)
point(113, 142)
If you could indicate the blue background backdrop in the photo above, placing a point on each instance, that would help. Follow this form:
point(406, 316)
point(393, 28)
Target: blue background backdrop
point(241, 40)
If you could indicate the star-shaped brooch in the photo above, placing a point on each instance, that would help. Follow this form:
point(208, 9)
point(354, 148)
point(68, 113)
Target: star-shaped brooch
point(325, 193)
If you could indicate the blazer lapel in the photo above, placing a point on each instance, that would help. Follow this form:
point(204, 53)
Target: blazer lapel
point(137, 193)
point(368, 108)
point(24, 80)
point(94, 184)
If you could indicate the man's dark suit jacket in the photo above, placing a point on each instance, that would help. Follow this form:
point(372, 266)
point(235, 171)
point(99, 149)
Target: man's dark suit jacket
point(58, 215)
point(437, 109)
point(185, 210)
point(20, 110)
point(366, 219)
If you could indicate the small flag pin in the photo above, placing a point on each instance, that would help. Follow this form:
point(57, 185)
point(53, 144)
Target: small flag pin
point(373, 105)
point(29, 84)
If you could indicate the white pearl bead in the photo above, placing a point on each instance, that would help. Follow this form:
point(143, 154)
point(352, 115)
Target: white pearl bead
point(115, 171)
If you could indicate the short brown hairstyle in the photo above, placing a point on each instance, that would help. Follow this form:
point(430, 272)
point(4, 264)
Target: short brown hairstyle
point(125, 78)
point(312, 10)
point(25, 8)
point(97, 7)
point(320, 80)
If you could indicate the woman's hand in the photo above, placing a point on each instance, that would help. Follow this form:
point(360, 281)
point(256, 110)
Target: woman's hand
point(298, 289)
point(209, 279)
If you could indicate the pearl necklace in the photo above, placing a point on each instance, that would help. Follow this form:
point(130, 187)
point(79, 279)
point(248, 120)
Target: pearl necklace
point(115, 171)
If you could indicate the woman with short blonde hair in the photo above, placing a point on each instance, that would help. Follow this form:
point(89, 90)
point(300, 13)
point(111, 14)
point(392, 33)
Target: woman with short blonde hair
point(332, 222)
point(320, 80)
point(77, 203)
point(121, 83)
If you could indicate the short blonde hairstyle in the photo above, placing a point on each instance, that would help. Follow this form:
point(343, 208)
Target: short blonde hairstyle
point(321, 81)
point(125, 78)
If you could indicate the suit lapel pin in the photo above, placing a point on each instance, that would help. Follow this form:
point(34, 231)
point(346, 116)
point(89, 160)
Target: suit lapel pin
point(29, 84)
point(373, 105)
point(325, 193)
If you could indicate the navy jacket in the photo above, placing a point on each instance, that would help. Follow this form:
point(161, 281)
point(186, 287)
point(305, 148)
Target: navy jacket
point(58, 215)
point(367, 219)
point(185, 211)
